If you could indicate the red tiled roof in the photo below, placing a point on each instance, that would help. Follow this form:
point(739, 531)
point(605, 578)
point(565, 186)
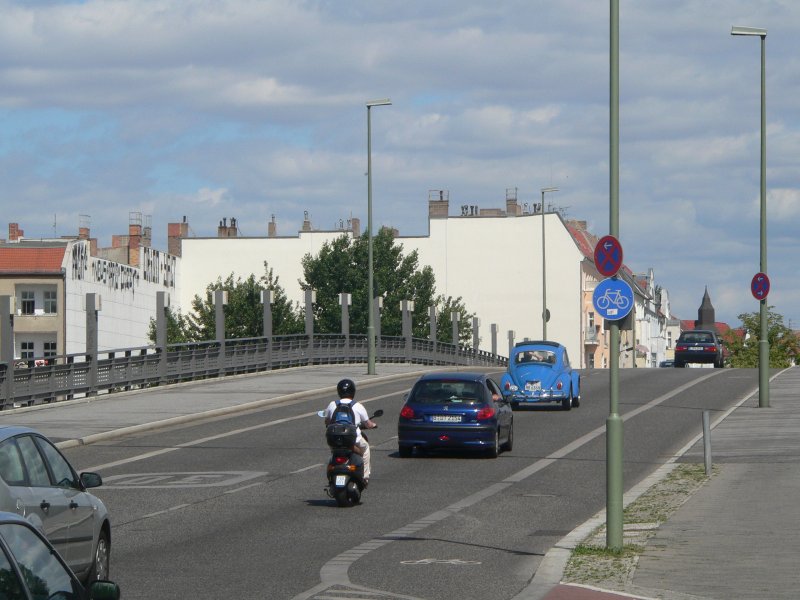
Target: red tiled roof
point(31, 260)
point(721, 327)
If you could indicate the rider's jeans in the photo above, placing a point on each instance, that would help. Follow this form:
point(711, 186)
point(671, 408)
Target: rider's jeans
point(362, 443)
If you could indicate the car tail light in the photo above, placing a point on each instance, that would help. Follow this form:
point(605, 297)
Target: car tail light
point(680, 348)
point(485, 413)
point(407, 412)
point(559, 385)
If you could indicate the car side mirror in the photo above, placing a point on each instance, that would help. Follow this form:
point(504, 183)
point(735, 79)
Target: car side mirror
point(104, 590)
point(91, 480)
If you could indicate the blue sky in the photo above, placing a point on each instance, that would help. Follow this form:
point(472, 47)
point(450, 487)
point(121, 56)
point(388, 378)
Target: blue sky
point(248, 109)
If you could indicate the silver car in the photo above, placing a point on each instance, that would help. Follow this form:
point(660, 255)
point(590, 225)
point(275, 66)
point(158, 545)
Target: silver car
point(38, 483)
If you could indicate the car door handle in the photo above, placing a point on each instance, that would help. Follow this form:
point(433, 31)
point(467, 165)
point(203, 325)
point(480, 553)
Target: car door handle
point(44, 505)
point(73, 504)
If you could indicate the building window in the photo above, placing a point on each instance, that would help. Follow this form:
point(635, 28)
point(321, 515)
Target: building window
point(591, 319)
point(49, 349)
point(669, 339)
point(50, 303)
point(591, 360)
point(28, 302)
point(26, 349)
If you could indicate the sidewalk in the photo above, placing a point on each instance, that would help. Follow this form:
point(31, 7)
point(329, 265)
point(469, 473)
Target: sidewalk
point(738, 536)
point(86, 420)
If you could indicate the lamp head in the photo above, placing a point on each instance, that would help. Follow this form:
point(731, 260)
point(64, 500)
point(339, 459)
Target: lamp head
point(749, 31)
point(383, 102)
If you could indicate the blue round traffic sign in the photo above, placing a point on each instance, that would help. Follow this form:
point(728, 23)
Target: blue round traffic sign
point(613, 299)
point(759, 286)
point(608, 255)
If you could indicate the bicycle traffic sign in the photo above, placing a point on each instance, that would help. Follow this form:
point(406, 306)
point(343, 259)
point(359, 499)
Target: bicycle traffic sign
point(613, 299)
point(759, 286)
point(608, 255)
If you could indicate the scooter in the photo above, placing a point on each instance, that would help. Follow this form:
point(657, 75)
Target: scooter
point(345, 467)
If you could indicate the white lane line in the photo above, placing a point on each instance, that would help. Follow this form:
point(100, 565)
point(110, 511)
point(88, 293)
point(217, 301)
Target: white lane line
point(218, 436)
point(244, 487)
point(304, 469)
point(163, 512)
point(335, 571)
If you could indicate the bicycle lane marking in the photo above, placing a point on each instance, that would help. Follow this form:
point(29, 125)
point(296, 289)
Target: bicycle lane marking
point(335, 571)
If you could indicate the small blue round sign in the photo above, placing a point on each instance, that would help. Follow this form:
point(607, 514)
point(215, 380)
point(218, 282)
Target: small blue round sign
point(613, 299)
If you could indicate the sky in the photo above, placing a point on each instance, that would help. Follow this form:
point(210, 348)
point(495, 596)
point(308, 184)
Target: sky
point(256, 110)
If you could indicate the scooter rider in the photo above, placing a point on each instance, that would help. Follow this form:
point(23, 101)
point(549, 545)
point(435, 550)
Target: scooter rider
point(346, 389)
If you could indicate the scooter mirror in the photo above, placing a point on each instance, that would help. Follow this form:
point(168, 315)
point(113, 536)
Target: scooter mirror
point(321, 413)
point(378, 412)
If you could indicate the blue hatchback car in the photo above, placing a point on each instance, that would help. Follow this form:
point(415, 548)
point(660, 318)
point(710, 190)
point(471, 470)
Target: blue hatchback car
point(541, 372)
point(455, 411)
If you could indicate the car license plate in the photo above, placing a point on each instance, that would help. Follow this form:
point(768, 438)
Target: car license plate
point(340, 480)
point(695, 347)
point(533, 386)
point(446, 418)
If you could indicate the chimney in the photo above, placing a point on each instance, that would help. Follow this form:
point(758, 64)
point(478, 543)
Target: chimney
point(14, 232)
point(306, 221)
point(513, 209)
point(175, 233)
point(272, 228)
point(355, 226)
point(438, 204)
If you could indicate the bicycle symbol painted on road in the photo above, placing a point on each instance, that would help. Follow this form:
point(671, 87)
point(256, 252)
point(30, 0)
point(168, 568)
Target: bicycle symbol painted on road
point(613, 298)
point(440, 561)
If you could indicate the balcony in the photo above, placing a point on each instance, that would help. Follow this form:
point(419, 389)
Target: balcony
point(591, 337)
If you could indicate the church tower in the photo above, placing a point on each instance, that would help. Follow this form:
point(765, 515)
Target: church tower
point(705, 314)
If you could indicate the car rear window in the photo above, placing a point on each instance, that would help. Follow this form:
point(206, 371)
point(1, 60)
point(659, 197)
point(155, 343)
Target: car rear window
point(536, 357)
point(442, 391)
point(703, 338)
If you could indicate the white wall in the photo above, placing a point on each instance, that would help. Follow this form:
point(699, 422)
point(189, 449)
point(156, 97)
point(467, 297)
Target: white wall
point(128, 296)
point(493, 263)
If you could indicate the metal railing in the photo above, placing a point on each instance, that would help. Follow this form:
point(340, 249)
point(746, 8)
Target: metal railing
point(29, 382)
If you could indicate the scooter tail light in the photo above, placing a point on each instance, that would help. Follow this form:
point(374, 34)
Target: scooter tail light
point(340, 460)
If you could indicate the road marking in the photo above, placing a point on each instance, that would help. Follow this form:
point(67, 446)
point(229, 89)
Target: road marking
point(440, 561)
point(304, 469)
point(246, 487)
point(163, 512)
point(179, 480)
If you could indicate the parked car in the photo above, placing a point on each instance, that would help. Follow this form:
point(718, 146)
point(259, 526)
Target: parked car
point(540, 372)
point(699, 346)
point(37, 482)
point(30, 567)
point(667, 363)
point(455, 411)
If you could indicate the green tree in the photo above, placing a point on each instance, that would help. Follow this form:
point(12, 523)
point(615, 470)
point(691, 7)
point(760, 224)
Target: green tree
point(244, 313)
point(743, 343)
point(342, 266)
point(445, 307)
point(177, 328)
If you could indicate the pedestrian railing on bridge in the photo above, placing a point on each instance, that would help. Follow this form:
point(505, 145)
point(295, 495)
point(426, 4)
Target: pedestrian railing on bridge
point(29, 382)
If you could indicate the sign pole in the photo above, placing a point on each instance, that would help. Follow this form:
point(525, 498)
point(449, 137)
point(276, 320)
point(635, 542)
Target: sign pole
point(614, 525)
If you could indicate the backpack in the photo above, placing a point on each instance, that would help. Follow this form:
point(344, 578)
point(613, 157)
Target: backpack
point(343, 413)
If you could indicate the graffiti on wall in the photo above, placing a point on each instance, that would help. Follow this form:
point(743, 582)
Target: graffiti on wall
point(80, 260)
point(158, 267)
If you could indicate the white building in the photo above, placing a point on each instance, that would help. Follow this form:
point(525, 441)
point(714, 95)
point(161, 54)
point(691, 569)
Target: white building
point(48, 281)
point(491, 258)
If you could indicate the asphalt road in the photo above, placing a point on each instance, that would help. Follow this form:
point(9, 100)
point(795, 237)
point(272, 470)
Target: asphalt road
point(235, 508)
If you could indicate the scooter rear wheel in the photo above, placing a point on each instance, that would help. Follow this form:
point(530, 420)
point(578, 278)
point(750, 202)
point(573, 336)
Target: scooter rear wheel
point(342, 497)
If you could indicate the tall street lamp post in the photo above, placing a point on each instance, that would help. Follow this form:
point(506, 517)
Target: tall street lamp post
point(763, 342)
point(370, 285)
point(545, 315)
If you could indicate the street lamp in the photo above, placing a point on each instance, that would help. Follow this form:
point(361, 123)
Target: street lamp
point(763, 343)
point(544, 269)
point(370, 286)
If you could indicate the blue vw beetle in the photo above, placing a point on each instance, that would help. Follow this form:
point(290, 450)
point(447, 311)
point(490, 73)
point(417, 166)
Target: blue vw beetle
point(540, 372)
